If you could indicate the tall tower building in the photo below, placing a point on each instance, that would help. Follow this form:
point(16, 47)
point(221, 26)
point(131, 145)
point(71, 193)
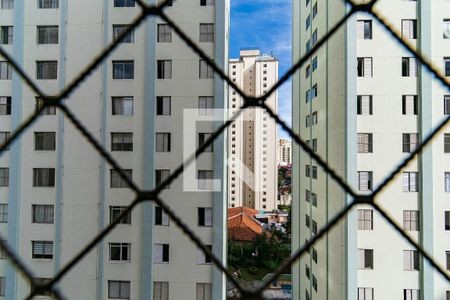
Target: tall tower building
point(365, 103)
point(252, 168)
point(284, 152)
point(57, 192)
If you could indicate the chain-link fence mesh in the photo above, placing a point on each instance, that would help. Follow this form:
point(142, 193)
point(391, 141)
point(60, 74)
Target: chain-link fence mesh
point(154, 195)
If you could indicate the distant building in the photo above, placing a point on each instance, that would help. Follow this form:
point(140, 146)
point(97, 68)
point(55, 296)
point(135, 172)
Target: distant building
point(284, 152)
point(252, 138)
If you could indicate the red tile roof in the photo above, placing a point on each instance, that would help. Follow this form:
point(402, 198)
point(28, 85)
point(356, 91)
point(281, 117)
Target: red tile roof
point(242, 226)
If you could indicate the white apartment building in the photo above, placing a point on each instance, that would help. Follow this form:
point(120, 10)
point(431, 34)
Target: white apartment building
point(365, 103)
point(252, 170)
point(57, 192)
point(284, 152)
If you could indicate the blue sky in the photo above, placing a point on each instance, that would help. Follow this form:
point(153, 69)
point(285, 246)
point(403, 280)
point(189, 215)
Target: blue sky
point(265, 24)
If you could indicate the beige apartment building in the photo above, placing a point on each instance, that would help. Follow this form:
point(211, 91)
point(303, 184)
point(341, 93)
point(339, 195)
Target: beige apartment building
point(365, 103)
point(252, 139)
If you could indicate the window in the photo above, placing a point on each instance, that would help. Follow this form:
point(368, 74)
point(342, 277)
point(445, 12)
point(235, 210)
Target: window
point(410, 181)
point(314, 283)
point(163, 106)
point(116, 181)
point(161, 253)
point(42, 214)
point(5, 70)
point(364, 29)
point(43, 177)
point(307, 221)
point(365, 143)
point(160, 290)
point(409, 294)
point(205, 105)
point(42, 249)
point(447, 220)
point(308, 22)
point(314, 227)
point(446, 28)
point(43, 281)
point(47, 35)
point(204, 179)
point(121, 141)
point(205, 216)
point(365, 67)
point(160, 176)
point(202, 258)
point(409, 67)
point(206, 32)
point(365, 181)
point(5, 105)
point(3, 213)
point(308, 46)
point(447, 66)
point(122, 106)
point(164, 33)
point(2, 286)
point(161, 218)
point(410, 142)
point(123, 69)
point(315, 10)
point(118, 289)
point(315, 63)
point(4, 177)
point(447, 259)
point(44, 141)
point(164, 69)
point(447, 181)
point(6, 35)
point(409, 29)
point(365, 105)
point(116, 211)
point(48, 110)
point(124, 3)
point(163, 142)
point(202, 138)
point(365, 259)
point(204, 291)
point(4, 137)
point(314, 37)
point(119, 251)
point(447, 105)
point(119, 30)
point(314, 172)
point(206, 2)
point(46, 70)
point(365, 293)
point(7, 4)
point(411, 260)
point(46, 4)
point(205, 70)
point(365, 219)
point(411, 220)
point(409, 105)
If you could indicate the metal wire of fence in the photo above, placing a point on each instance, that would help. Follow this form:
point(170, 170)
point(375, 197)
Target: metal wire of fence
point(154, 195)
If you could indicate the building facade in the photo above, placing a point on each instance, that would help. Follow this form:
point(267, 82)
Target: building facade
point(57, 192)
point(284, 152)
point(365, 103)
point(252, 168)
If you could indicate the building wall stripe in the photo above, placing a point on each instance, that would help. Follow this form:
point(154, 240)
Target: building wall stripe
point(15, 149)
point(60, 140)
point(149, 158)
point(426, 158)
point(350, 292)
point(220, 171)
point(102, 169)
